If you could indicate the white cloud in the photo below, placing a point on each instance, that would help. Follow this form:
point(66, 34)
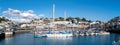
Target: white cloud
point(11, 12)
point(29, 11)
point(41, 15)
point(20, 20)
point(24, 15)
point(28, 14)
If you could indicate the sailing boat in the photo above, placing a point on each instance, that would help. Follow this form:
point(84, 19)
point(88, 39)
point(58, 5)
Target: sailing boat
point(58, 33)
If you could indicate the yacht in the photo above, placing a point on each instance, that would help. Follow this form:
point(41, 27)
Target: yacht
point(59, 34)
point(39, 34)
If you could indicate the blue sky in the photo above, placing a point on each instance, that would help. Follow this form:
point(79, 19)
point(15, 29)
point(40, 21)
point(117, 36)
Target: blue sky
point(102, 10)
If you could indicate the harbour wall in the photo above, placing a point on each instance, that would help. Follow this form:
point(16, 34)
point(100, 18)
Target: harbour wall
point(3, 35)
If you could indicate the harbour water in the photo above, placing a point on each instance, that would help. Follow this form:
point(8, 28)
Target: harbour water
point(28, 39)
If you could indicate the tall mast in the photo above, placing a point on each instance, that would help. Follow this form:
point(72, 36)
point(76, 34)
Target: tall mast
point(65, 15)
point(53, 11)
point(65, 19)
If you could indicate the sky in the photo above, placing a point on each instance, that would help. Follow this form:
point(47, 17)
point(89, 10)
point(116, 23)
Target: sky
point(102, 10)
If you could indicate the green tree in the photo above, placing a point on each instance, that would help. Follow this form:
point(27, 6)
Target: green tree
point(3, 19)
point(90, 21)
point(69, 18)
point(83, 19)
point(61, 18)
point(98, 21)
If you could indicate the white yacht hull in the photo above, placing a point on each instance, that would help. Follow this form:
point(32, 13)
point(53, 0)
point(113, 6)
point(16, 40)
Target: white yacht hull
point(59, 35)
point(39, 34)
point(104, 33)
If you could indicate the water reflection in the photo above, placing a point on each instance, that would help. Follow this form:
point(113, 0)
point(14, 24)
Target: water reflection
point(1, 39)
point(52, 41)
point(8, 41)
point(60, 41)
point(28, 39)
point(115, 37)
point(59, 38)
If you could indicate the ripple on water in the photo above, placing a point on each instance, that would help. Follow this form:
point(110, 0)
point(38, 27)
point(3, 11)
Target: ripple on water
point(28, 39)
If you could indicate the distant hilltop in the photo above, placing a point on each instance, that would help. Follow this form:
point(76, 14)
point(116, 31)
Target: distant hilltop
point(3, 19)
point(115, 19)
point(72, 19)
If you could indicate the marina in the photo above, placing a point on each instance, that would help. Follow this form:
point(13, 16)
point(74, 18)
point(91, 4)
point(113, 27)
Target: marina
point(28, 39)
point(94, 28)
point(59, 22)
